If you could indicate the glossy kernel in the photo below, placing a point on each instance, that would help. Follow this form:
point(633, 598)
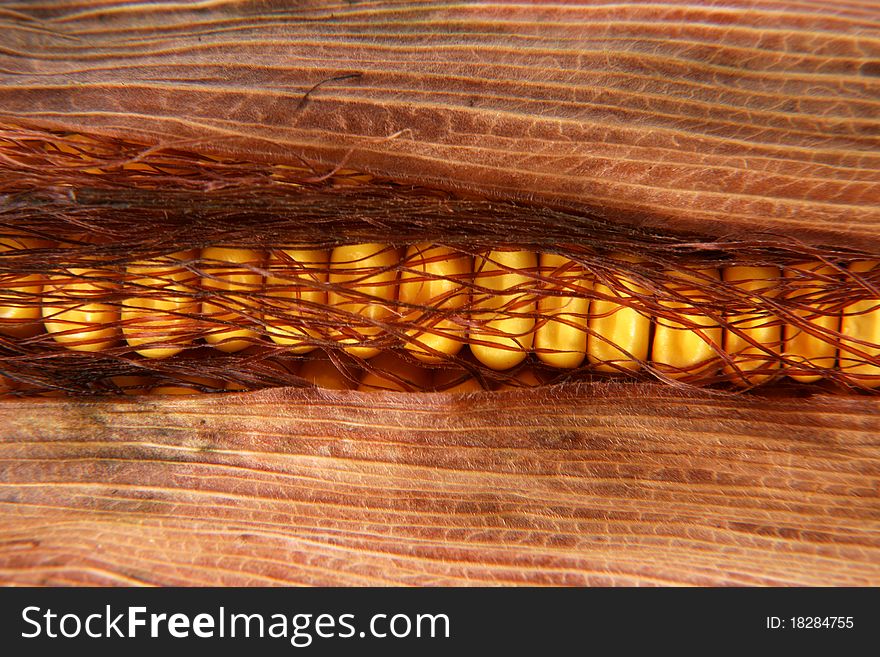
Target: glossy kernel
point(73, 315)
point(299, 291)
point(504, 319)
point(368, 274)
point(801, 346)
point(860, 322)
point(759, 328)
point(20, 313)
point(619, 334)
point(433, 276)
point(680, 350)
point(561, 338)
point(227, 270)
point(161, 315)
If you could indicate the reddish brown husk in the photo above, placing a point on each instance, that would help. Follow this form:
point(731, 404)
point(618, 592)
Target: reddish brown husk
point(594, 112)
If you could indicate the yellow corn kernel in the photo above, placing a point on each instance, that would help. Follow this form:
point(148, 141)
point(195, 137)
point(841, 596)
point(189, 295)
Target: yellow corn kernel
point(760, 327)
point(861, 321)
point(322, 372)
point(434, 277)
point(619, 335)
point(227, 269)
point(800, 345)
point(687, 349)
point(73, 320)
point(394, 373)
point(299, 286)
point(368, 274)
point(506, 319)
point(20, 294)
point(158, 315)
point(561, 340)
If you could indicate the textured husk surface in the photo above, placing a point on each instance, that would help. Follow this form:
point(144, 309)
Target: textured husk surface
point(750, 123)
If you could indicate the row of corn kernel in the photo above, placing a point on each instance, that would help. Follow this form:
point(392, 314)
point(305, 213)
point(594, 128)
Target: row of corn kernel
point(501, 323)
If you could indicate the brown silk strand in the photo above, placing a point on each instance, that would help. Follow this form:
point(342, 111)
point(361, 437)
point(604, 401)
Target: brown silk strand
point(93, 242)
